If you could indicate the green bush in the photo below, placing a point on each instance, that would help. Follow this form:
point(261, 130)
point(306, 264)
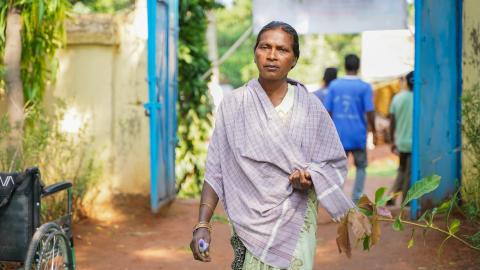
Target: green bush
point(471, 151)
point(101, 6)
point(194, 105)
point(59, 156)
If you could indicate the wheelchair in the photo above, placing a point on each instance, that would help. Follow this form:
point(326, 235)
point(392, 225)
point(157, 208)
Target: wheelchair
point(23, 240)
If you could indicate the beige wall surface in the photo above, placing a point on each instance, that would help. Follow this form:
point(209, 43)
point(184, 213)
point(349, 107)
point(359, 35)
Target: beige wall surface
point(470, 60)
point(103, 82)
point(471, 44)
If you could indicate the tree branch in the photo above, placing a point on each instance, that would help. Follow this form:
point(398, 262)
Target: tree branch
point(433, 227)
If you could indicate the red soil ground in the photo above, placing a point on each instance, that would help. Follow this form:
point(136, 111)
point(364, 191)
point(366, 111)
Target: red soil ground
point(142, 240)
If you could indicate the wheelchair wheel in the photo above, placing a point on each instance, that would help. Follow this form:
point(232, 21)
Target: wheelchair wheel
point(49, 249)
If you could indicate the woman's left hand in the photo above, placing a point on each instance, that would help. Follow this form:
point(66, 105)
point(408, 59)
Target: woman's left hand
point(300, 180)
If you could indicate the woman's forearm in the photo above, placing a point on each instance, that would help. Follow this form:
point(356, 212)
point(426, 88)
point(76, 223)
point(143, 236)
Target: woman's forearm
point(208, 202)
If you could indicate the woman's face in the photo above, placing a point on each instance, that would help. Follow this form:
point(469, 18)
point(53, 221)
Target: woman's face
point(274, 55)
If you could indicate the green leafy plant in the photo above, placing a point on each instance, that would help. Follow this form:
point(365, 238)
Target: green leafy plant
point(59, 155)
point(471, 152)
point(377, 212)
point(317, 51)
point(343, 44)
point(104, 6)
point(3, 24)
point(42, 34)
point(194, 106)
point(231, 24)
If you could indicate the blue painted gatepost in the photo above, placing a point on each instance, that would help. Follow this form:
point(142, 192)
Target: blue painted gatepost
point(437, 98)
point(162, 97)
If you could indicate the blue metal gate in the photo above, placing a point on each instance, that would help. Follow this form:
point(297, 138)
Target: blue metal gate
point(437, 117)
point(162, 96)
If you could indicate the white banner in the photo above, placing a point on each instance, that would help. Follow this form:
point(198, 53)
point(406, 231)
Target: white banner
point(332, 16)
point(386, 54)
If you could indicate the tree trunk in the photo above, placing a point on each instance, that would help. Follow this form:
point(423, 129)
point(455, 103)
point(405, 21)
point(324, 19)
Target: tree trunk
point(214, 85)
point(13, 80)
point(212, 46)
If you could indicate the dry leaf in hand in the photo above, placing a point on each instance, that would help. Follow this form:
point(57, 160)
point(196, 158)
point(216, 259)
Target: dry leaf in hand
point(343, 240)
point(360, 224)
point(365, 203)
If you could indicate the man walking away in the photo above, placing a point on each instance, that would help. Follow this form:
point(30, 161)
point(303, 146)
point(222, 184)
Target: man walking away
point(349, 102)
point(401, 118)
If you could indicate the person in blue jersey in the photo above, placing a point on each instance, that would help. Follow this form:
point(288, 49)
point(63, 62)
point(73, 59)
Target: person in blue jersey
point(350, 104)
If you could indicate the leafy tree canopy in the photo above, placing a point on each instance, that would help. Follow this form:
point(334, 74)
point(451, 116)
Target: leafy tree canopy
point(103, 6)
point(317, 51)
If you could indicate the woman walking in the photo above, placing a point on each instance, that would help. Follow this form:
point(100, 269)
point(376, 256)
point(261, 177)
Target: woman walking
point(273, 155)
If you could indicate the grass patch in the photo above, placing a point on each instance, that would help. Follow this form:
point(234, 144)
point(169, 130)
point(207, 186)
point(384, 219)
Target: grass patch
point(383, 168)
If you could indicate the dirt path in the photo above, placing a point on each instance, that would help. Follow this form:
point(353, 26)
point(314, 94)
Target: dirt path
point(145, 241)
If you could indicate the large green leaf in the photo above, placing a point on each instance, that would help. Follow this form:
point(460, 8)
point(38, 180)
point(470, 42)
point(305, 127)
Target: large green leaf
point(422, 187)
point(379, 194)
point(384, 199)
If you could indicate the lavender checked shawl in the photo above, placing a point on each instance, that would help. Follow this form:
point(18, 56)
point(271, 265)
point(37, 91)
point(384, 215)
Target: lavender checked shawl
point(252, 153)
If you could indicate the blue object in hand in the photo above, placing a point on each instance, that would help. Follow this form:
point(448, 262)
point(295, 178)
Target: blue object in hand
point(202, 245)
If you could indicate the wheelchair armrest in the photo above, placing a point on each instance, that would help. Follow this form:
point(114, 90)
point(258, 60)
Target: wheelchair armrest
point(51, 189)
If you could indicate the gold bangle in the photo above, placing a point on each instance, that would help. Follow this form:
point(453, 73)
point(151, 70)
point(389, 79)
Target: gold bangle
point(209, 206)
point(203, 224)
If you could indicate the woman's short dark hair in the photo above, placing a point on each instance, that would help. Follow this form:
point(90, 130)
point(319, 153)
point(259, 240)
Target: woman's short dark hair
point(329, 75)
point(352, 62)
point(286, 28)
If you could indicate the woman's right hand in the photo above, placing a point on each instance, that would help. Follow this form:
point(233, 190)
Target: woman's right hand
point(200, 233)
point(300, 180)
